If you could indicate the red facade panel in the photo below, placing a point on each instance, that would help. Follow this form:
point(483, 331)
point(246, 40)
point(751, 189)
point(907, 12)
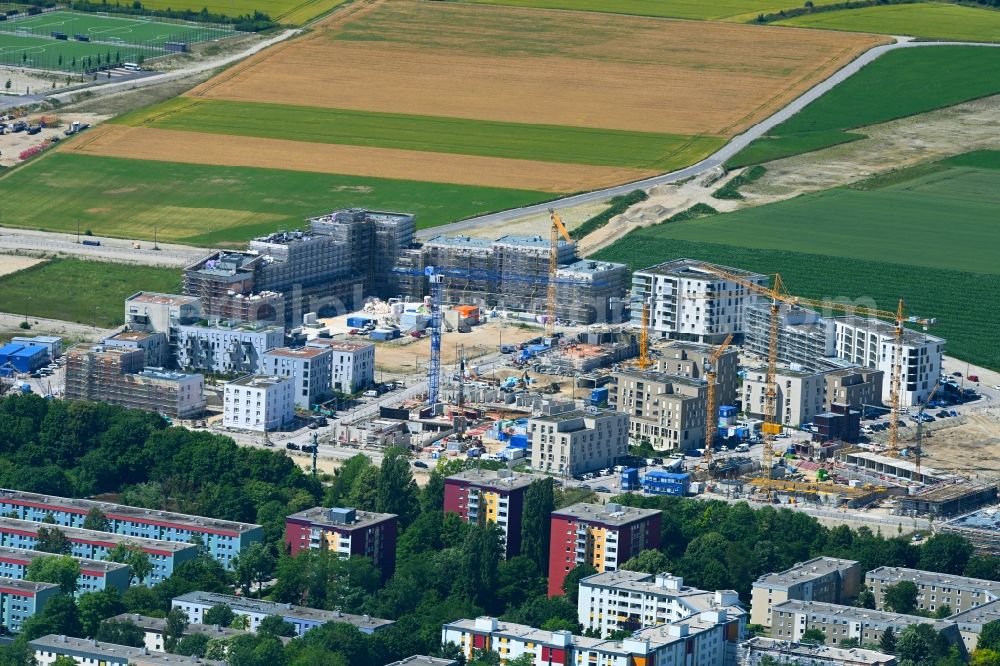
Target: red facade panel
point(562, 558)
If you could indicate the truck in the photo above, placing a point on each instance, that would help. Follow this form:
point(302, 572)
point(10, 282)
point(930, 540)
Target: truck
point(90, 242)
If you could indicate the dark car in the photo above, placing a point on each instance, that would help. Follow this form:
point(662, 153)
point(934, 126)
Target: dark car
point(292, 446)
point(602, 489)
point(420, 463)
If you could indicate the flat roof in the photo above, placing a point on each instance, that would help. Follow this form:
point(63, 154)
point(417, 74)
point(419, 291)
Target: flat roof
point(979, 615)
point(606, 514)
point(421, 660)
point(298, 352)
point(818, 653)
point(134, 655)
point(257, 606)
point(8, 554)
point(666, 585)
point(589, 267)
point(485, 478)
point(18, 586)
point(160, 299)
point(340, 345)
point(696, 269)
point(559, 417)
point(259, 381)
point(899, 463)
point(460, 241)
point(128, 513)
point(662, 377)
point(805, 571)
point(159, 624)
point(27, 527)
point(784, 372)
point(919, 576)
point(877, 325)
point(984, 520)
point(320, 515)
point(875, 617)
point(132, 335)
point(166, 375)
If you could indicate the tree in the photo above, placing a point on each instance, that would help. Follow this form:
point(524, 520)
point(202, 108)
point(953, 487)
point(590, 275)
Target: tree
point(8, 84)
point(61, 570)
point(943, 611)
point(571, 584)
point(397, 491)
point(887, 643)
point(901, 597)
point(649, 561)
point(275, 625)
point(137, 560)
point(849, 643)
point(523, 660)
point(989, 636)
point(981, 657)
point(945, 553)
point(121, 633)
point(254, 565)
point(192, 645)
point(539, 503)
point(480, 557)
point(60, 616)
point(221, 615)
point(866, 598)
point(63, 660)
point(96, 520)
point(813, 635)
point(177, 622)
point(53, 540)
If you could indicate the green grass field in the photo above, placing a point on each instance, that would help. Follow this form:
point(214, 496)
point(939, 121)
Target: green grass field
point(900, 83)
point(75, 290)
point(65, 56)
point(930, 20)
point(924, 234)
point(547, 143)
point(126, 30)
point(731, 10)
point(211, 205)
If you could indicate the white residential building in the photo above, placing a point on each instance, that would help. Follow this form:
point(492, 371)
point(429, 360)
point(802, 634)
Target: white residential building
point(800, 395)
point(632, 600)
point(153, 312)
point(309, 367)
point(706, 639)
point(577, 441)
point(687, 301)
point(224, 350)
point(352, 364)
point(258, 402)
point(872, 344)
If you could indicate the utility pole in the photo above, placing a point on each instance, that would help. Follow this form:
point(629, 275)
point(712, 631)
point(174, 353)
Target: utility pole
point(315, 452)
point(78, 232)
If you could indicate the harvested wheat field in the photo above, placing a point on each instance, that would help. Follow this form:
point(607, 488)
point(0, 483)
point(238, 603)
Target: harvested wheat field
point(215, 149)
point(544, 67)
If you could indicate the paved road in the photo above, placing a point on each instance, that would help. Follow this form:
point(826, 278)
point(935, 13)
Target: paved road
point(735, 145)
point(27, 241)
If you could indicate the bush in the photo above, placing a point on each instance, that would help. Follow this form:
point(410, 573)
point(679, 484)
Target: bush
point(731, 190)
point(618, 206)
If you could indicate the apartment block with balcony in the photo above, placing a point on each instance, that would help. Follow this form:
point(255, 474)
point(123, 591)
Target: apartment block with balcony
point(800, 395)
point(668, 411)
point(934, 590)
point(575, 442)
point(310, 368)
point(95, 575)
point(605, 536)
point(822, 579)
point(346, 532)
point(484, 496)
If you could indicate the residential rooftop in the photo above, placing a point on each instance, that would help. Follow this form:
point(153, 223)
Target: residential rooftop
point(606, 514)
point(590, 413)
point(784, 372)
point(160, 299)
point(466, 242)
point(498, 480)
point(692, 268)
point(18, 586)
point(975, 618)
point(918, 576)
point(165, 375)
point(127, 513)
point(344, 518)
point(259, 381)
point(298, 352)
point(260, 607)
point(86, 565)
point(135, 656)
point(666, 585)
point(910, 336)
point(135, 336)
point(588, 267)
point(159, 625)
point(662, 377)
point(340, 345)
point(875, 618)
point(817, 653)
point(420, 660)
point(805, 571)
point(108, 539)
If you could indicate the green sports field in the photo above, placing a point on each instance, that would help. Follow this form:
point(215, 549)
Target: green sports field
point(719, 10)
point(900, 83)
point(925, 235)
point(930, 20)
point(211, 205)
point(113, 29)
point(40, 291)
point(66, 56)
point(547, 143)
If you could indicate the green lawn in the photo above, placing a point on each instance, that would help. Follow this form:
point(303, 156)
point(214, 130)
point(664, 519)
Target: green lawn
point(66, 56)
point(75, 290)
point(127, 29)
point(926, 234)
point(930, 20)
point(288, 12)
point(900, 83)
point(687, 9)
point(210, 205)
point(546, 143)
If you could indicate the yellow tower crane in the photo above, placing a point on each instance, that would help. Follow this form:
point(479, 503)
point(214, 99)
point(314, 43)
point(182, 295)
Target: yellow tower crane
point(711, 420)
point(558, 228)
point(644, 360)
point(779, 295)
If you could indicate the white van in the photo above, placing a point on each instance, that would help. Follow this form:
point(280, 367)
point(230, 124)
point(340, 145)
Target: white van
point(132, 67)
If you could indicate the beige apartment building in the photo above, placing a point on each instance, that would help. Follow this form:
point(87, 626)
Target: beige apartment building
point(800, 395)
point(854, 387)
point(934, 589)
point(579, 441)
point(690, 359)
point(666, 410)
point(827, 579)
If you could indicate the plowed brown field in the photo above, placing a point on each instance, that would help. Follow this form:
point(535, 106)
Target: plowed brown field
point(200, 148)
point(544, 67)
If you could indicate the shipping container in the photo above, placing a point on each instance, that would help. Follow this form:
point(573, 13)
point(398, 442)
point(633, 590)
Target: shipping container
point(358, 321)
point(599, 396)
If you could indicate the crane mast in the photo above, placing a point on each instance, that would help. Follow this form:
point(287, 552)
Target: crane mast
point(557, 229)
point(711, 425)
point(644, 361)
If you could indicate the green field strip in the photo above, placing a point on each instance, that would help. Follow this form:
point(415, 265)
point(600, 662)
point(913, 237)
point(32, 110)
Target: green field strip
point(931, 20)
point(545, 143)
point(685, 9)
point(899, 84)
point(955, 297)
point(213, 205)
point(289, 12)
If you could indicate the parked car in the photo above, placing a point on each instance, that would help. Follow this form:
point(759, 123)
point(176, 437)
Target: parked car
point(974, 378)
point(292, 446)
point(603, 489)
point(420, 463)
